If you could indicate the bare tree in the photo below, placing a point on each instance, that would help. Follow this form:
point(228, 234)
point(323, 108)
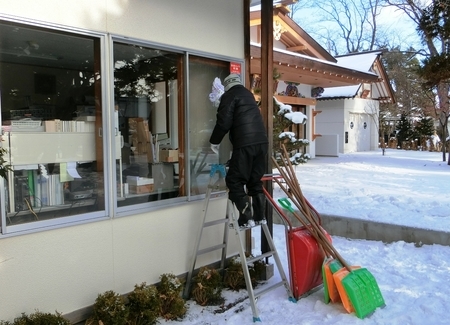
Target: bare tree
point(372, 109)
point(352, 22)
point(433, 24)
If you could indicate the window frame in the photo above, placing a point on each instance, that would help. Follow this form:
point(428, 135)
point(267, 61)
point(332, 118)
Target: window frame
point(59, 222)
point(153, 205)
point(107, 133)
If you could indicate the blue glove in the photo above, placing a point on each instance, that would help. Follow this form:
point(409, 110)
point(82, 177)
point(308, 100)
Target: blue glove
point(215, 148)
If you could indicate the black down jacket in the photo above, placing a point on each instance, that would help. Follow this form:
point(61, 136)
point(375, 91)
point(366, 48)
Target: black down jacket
point(239, 114)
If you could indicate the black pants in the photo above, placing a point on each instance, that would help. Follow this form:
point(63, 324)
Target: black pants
point(246, 168)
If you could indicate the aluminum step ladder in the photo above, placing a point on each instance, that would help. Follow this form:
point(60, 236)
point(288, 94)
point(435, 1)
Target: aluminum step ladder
point(217, 184)
point(254, 294)
point(231, 222)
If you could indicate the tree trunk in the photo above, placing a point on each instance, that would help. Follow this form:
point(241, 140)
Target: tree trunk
point(442, 92)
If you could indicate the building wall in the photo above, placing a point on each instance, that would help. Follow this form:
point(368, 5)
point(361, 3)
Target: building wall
point(331, 120)
point(185, 24)
point(364, 135)
point(64, 269)
point(349, 115)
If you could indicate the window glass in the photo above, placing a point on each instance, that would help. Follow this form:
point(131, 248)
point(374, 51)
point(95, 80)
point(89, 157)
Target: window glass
point(50, 109)
point(146, 91)
point(202, 118)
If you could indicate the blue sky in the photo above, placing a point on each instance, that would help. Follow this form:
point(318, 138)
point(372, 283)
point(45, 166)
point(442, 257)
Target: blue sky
point(398, 27)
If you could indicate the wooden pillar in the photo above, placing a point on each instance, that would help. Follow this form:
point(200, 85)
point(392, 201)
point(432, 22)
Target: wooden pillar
point(98, 126)
point(267, 98)
point(247, 42)
point(248, 233)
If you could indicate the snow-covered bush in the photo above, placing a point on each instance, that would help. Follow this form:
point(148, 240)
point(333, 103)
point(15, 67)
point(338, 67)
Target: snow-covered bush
point(283, 119)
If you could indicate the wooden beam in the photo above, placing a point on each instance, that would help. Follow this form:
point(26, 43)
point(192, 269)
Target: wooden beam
point(306, 75)
point(99, 132)
point(284, 59)
point(267, 99)
point(247, 24)
point(296, 100)
point(297, 48)
point(247, 42)
point(255, 22)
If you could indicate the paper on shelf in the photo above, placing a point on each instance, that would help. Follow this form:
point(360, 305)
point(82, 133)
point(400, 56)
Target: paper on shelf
point(65, 177)
point(72, 170)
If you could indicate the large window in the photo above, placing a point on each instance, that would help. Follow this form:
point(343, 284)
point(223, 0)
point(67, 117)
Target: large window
point(147, 83)
point(51, 112)
point(64, 130)
point(202, 118)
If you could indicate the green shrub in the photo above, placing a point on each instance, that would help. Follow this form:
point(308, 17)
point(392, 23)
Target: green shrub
point(144, 305)
point(39, 318)
point(234, 278)
point(172, 304)
point(234, 275)
point(207, 288)
point(257, 270)
point(110, 309)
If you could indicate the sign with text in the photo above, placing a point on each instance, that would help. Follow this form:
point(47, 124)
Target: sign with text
point(235, 68)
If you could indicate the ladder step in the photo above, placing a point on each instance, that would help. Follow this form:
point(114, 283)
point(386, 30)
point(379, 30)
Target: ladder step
point(231, 221)
point(259, 257)
point(258, 293)
point(245, 228)
point(211, 249)
point(215, 222)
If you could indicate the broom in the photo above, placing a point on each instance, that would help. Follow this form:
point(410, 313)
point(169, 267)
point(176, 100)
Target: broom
point(330, 265)
point(358, 284)
point(330, 289)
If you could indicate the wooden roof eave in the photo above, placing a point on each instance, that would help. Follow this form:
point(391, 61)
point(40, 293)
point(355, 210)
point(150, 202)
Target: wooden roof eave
point(329, 70)
point(298, 33)
point(385, 80)
point(301, 38)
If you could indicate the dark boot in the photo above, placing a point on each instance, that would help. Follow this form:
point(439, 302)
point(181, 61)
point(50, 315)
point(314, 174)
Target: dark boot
point(259, 208)
point(245, 211)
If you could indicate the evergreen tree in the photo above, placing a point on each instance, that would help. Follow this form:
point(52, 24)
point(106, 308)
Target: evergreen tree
point(401, 67)
point(424, 129)
point(283, 119)
point(434, 26)
point(432, 19)
point(404, 129)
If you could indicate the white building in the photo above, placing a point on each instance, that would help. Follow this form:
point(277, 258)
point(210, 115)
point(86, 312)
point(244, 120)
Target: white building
point(105, 74)
point(349, 116)
point(91, 92)
point(304, 68)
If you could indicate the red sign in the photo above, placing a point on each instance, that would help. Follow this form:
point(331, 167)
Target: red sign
point(235, 67)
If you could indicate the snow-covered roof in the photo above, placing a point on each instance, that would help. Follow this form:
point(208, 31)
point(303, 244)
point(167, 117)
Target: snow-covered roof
point(343, 92)
point(356, 61)
point(337, 64)
point(255, 5)
point(359, 61)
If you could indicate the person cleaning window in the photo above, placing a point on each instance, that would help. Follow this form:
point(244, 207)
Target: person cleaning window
point(238, 114)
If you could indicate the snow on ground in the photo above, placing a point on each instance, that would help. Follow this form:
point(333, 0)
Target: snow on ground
point(403, 187)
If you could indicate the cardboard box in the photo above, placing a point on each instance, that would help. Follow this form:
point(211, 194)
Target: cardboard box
point(138, 181)
point(141, 189)
point(168, 155)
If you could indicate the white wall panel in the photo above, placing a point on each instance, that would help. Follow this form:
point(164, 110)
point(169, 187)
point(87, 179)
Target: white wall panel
point(203, 25)
point(65, 269)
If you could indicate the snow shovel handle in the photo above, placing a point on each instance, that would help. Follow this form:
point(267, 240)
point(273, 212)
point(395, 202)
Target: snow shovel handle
point(284, 202)
point(317, 233)
point(289, 175)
